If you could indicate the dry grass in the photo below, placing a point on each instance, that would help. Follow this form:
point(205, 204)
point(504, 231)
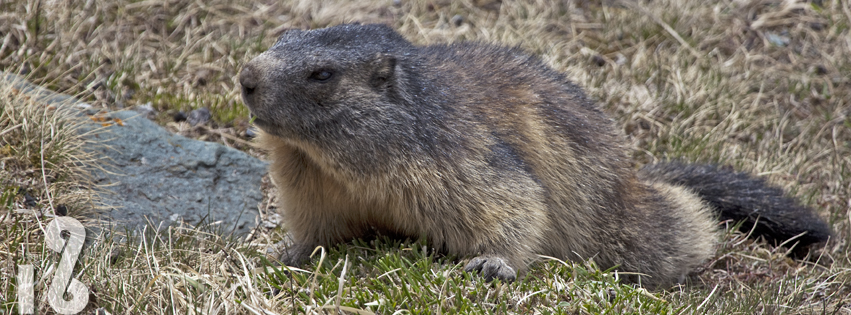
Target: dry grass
point(41, 154)
point(42, 168)
point(763, 85)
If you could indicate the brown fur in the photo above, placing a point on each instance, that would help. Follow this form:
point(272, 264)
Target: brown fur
point(482, 150)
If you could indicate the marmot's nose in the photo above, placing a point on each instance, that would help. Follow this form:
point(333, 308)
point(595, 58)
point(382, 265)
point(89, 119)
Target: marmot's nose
point(249, 78)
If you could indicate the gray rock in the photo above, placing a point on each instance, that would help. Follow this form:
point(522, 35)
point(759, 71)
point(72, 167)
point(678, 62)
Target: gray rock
point(168, 177)
point(159, 177)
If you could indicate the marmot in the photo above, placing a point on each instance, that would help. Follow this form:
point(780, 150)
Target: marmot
point(485, 152)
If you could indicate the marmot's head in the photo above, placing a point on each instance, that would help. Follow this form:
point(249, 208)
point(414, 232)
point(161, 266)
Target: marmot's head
point(334, 84)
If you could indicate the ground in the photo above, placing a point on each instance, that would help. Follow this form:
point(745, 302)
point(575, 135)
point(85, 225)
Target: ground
point(763, 86)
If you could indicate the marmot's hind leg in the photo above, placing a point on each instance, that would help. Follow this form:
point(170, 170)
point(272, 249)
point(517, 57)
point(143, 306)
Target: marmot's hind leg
point(674, 234)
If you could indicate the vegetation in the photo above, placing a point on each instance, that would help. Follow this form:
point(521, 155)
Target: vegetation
point(762, 85)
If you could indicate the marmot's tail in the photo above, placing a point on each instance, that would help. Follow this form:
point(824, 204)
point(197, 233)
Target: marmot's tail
point(743, 197)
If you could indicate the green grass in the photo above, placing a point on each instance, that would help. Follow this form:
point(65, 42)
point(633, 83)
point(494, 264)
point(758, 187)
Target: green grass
point(690, 79)
point(385, 276)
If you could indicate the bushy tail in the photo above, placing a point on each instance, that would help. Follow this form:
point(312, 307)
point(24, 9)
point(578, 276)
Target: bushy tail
point(743, 197)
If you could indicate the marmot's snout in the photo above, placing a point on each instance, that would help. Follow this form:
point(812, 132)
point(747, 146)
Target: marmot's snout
point(249, 78)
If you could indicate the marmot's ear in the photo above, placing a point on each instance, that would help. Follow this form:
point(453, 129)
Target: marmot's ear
point(384, 70)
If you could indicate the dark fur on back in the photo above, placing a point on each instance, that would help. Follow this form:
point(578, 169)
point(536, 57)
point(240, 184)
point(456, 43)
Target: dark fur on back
point(742, 197)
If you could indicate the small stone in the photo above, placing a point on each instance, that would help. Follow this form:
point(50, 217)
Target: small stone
point(114, 254)
point(621, 59)
point(127, 93)
point(29, 201)
point(598, 60)
point(272, 221)
point(251, 132)
point(457, 20)
point(201, 77)
point(777, 40)
point(199, 116)
point(61, 210)
point(179, 116)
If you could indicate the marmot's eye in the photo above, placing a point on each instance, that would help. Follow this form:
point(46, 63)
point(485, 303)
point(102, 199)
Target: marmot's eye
point(321, 75)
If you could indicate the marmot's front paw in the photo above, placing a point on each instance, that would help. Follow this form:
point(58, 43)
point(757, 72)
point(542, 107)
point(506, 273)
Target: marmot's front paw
point(492, 267)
